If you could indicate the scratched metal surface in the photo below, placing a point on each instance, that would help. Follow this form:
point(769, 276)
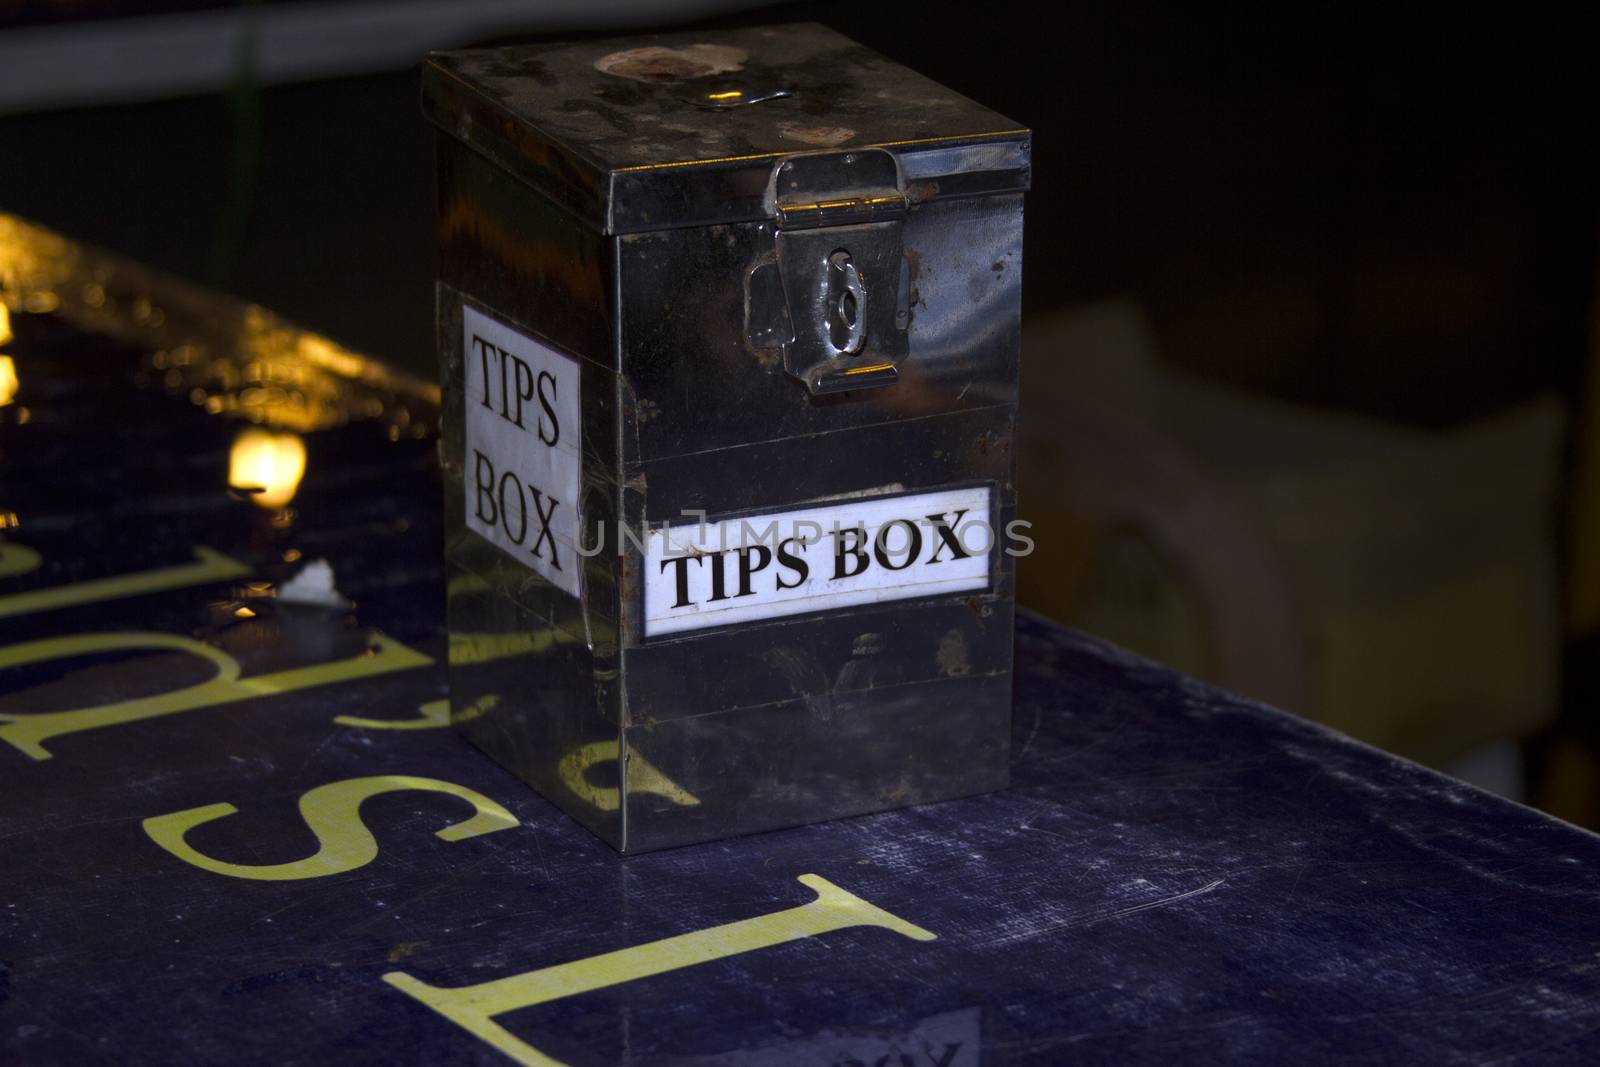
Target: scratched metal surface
point(648, 112)
point(1175, 874)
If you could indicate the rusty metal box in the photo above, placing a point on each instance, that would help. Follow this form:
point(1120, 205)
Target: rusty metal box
point(729, 328)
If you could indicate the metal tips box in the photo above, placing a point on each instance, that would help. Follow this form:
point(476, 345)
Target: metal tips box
point(729, 328)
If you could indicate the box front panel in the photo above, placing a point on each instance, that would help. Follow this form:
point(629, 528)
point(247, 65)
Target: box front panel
point(774, 711)
point(820, 756)
point(751, 662)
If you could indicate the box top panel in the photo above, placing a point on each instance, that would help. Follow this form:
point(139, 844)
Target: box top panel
point(673, 130)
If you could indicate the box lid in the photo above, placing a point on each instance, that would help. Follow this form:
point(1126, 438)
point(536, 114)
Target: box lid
point(670, 130)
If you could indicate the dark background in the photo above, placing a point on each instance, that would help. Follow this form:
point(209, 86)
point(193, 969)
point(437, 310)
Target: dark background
point(1347, 176)
point(1374, 211)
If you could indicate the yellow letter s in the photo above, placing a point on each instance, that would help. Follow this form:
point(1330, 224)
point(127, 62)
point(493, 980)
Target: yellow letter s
point(332, 813)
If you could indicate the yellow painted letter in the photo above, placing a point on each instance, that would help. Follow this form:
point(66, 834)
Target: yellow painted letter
point(28, 732)
point(333, 813)
point(430, 716)
point(473, 1007)
point(209, 566)
point(16, 559)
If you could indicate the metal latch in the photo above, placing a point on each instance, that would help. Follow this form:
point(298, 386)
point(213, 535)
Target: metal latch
point(835, 294)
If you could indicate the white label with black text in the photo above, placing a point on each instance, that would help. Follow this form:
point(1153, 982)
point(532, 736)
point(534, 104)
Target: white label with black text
point(523, 447)
point(851, 552)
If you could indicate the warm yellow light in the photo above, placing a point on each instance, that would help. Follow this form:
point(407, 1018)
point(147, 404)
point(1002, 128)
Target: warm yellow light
point(8, 378)
point(5, 324)
point(270, 462)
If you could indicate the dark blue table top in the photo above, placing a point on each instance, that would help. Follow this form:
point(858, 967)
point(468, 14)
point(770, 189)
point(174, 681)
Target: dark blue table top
point(1175, 875)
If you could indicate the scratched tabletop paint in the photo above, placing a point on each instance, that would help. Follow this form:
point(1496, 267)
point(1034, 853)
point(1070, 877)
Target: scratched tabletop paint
point(237, 830)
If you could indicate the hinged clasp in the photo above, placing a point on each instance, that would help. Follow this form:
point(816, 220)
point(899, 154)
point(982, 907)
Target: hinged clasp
point(835, 294)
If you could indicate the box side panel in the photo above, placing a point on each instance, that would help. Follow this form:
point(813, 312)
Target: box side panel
point(593, 618)
point(527, 693)
point(511, 247)
point(532, 668)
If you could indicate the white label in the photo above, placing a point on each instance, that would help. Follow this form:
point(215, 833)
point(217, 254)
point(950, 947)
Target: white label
point(523, 447)
point(858, 551)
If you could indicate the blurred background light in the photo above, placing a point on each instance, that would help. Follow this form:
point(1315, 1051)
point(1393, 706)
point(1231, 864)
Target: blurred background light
point(272, 463)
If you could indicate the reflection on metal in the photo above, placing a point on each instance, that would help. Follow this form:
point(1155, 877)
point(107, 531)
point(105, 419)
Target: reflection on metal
point(486, 647)
point(480, 707)
point(267, 465)
point(5, 324)
point(466, 583)
point(225, 356)
point(723, 97)
point(643, 777)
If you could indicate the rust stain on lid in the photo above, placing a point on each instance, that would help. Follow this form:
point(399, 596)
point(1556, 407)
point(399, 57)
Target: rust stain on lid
point(657, 64)
point(821, 136)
